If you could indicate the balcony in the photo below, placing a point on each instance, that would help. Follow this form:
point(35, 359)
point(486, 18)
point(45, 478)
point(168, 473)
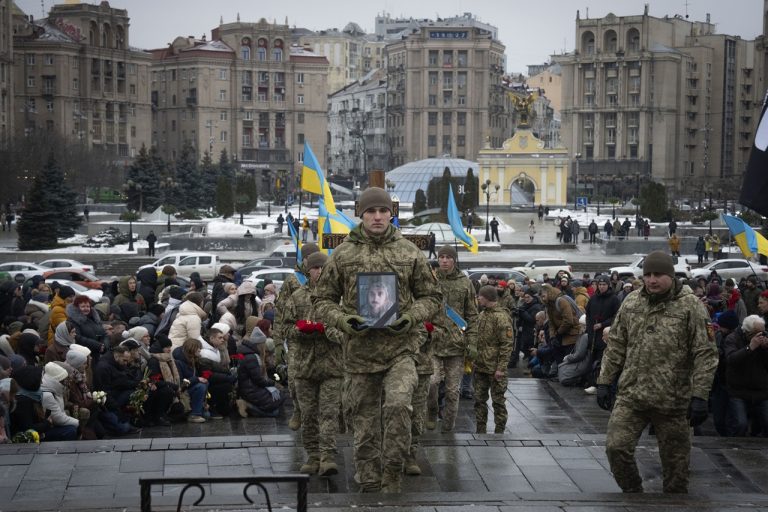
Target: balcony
point(266, 156)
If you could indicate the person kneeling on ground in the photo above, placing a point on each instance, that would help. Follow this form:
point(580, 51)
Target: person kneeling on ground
point(258, 394)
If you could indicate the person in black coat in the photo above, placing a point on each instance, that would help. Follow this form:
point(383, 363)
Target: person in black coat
point(151, 241)
point(526, 320)
point(89, 331)
point(601, 310)
point(220, 381)
point(257, 390)
point(29, 412)
point(147, 283)
point(746, 355)
point(187, 359)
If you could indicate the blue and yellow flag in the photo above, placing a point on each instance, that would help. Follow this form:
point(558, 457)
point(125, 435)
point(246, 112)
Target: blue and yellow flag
point(748, 240)
point(312, 178)
point(295, 239)
point(454, 219)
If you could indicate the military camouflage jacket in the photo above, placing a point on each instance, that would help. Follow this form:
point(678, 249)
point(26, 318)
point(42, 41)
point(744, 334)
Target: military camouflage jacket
point(458, 293)
point(290, 285)
point(495, 340)
point(418, 295)
point(315, 356)
point(423, 357)
point(664, 349)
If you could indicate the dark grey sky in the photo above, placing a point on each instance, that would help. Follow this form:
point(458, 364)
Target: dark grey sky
point(531, 31)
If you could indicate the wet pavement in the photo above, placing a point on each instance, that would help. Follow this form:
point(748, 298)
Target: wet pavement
point(551, 457)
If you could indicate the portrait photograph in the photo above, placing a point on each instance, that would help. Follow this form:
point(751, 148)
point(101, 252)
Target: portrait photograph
point(377, 298)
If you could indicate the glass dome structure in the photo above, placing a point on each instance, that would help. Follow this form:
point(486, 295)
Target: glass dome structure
point(413, 176)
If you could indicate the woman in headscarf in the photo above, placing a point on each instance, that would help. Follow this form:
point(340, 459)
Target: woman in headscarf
point(64, 336)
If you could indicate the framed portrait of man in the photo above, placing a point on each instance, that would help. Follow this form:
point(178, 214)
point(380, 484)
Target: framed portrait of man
point(377, 298)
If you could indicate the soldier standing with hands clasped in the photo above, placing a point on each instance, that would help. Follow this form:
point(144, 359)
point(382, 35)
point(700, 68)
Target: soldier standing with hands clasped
point(495, 342)
point(379, 363)
point(663, 346)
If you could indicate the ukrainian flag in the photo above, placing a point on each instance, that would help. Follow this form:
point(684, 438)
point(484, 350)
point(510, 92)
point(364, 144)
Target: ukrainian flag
point(454, 219)
point(748, 240)
point(312, 179)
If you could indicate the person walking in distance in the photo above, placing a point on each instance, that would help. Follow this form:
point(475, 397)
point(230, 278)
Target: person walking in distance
point(531, 231)
point(663, 347)
point(495, 230)
point(432, 244)
point(151, 241)
point(379, 363)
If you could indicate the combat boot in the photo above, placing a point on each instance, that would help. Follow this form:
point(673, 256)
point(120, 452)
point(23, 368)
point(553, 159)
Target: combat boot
point(311, 466)
point(295, 422)
point(390, 481)
point(327, 466)
point(480, 429)
point(411, 466)
point(499, 429)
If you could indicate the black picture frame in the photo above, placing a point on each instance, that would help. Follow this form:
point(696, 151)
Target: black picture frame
point(377, 298)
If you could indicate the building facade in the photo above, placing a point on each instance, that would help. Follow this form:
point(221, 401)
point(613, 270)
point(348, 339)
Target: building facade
point(444, 93)
point(656, 98)
point(77, 75)
point(246, 91)
point(357, 117)
point(6, 71)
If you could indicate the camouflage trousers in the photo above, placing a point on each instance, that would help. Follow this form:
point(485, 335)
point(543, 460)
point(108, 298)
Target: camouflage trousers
point(484, 382)
point(450, 370)
point(674, 437)
point(292, 382)
point(419, 414)
point(380, 412)
point(320, 400)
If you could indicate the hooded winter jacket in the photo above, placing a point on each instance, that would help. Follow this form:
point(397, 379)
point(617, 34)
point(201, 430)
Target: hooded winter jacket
point(188, 324)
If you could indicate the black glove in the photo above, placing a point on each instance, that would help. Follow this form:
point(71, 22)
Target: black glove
point(604, 397)
point(698, 410)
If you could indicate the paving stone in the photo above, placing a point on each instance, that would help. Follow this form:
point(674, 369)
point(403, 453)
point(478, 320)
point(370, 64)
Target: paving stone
point(93, 476)
point(186, 457)
point(111, 459)
point(593, 480)
point(140, 462)
point(532, 456)
point(22, 459)
point(237, 457)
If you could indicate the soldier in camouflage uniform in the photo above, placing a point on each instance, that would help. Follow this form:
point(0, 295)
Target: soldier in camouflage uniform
point(316, 369)
point(450, 345)
point(663, 345)
point(495, 341)
point(281, 328)
point(380, 362)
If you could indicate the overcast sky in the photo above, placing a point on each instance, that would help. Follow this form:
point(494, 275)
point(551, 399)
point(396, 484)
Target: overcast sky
point(531, 31)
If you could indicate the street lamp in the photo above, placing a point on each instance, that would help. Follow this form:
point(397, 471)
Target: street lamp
point(577, 156)
point(168, 184)
point(487, 191)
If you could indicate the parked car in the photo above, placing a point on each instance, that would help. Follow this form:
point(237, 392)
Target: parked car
point(80, 277)
point(286, 250)
point(734, 268)
point(205, 263)
point(94, 295)
point(268, 262)
point(535, 269)
point(277, 275)
point(55, 264)
point(25, 268)
point(635, 269)
point(499, 274)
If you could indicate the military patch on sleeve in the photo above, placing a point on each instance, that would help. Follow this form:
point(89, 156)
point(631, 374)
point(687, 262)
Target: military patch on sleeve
point(509, 332)
point(710, 332)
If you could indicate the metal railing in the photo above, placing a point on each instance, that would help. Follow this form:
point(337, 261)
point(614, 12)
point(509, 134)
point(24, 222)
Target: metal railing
point(301, 482)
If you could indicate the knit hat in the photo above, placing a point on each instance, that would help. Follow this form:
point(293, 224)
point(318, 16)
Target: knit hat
point(195, 298)
point(603, 278)
point(659, 262)
point(136, 333)
point(448, 250)
point(82, 299)
point(79, 348)
point(29, 377)
point(130, 344)
point(17, 362)
point(257, 336)
point(373, 197)
point(29, 339)
point(55, 372)
point(15, 327)
point(246, 288)
point(728, 319)
point(219, 326)
point(489, 292)
point(66, 291)
point(308, 248)
point(316, 259)
point(75, 358)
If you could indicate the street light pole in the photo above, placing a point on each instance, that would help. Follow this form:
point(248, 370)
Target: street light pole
point(576, 184)
point(130, 232)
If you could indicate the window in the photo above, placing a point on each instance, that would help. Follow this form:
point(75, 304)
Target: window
point(173, 125)
point(223, 115)
point(447, 118)
point(222, 74)
point(299, 78)
point(300, 118)
point(224, 136)
point(261, 54)
point(223, 95)
point(433, 78)
point(48, 59)
point(300, 99)
point(248, 115)
point(433, 99)
point(461, 118)
point(433, 56)
point(300, 138)
point(462, 99)
point(460, 140)
point(462, 58)
point(75, 84)
point(446, 142)
point(245, 53)
point(132, 89)
point(277, 54)
point(30, 81)
point(49, 105)
point(432, 140)
point(31, 59)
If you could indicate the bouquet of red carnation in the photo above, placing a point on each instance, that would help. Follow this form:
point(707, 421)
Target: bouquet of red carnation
point(502, 284)
point(429, 327)
point(206, 374)
point(310, 327)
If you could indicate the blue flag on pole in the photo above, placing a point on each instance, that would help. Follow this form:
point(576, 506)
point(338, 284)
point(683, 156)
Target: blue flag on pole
point(454, 219)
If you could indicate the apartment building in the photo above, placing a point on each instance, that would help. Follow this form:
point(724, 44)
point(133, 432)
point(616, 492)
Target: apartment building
point(6, 71)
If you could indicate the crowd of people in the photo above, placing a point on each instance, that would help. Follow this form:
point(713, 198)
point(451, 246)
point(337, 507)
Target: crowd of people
point(384, 359)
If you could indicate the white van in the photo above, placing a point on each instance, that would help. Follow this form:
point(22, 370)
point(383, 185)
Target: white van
point(204, 263)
